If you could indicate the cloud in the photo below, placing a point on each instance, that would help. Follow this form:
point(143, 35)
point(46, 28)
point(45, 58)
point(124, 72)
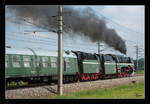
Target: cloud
point(129, 16)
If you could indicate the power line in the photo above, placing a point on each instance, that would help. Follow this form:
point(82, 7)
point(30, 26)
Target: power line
point(47, 39)
point(133, 42)
point(67, 46)
point(119, 24)
point(49, 42)
point(28, 41)
point(36, 40)
point(27, 35)
point(67, 42)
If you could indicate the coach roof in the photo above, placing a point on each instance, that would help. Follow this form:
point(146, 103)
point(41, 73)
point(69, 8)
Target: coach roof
point(38, 52)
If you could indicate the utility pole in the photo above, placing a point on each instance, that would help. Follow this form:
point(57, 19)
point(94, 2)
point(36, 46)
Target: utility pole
point(60, 55)
point(98, 47)
point(136, 57)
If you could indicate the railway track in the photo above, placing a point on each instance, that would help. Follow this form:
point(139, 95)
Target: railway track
point(51, 90)
point(50, 84)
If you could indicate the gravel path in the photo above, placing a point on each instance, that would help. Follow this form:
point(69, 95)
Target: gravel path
point(44, 91)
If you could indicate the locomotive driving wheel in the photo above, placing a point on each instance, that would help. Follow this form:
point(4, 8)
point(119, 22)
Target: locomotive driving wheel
point(130, 71)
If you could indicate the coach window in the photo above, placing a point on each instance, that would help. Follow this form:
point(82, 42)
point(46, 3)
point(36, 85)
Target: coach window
point(67, 62)
point(6, 61)
point(26, 61)
point(45, 62)
point(16, 61)
point(53, 62)
point(37, 61)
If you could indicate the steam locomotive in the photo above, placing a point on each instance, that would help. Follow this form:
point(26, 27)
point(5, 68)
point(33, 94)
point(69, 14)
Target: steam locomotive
point(28, 64)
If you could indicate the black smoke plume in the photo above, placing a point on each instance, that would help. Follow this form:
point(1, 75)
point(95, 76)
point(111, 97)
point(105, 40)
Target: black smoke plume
point(84, 21)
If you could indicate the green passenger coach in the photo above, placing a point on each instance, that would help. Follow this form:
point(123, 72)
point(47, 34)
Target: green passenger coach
point(29, 63)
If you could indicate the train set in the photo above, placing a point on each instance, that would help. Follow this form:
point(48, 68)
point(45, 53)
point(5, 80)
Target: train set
point(28, 64)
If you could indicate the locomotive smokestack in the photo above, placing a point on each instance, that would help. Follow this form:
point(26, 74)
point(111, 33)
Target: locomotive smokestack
point(84, 22)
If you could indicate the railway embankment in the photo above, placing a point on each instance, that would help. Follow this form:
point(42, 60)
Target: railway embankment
point(68, 89)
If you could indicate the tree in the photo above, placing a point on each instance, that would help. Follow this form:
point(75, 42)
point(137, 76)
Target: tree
point(140, 64)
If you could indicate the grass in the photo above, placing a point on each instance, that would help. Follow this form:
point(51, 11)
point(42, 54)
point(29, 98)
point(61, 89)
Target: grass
point(128, 91)
point(20, 83)
point(139, 72)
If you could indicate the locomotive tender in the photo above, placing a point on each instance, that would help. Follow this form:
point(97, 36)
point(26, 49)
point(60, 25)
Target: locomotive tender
point(35, 64)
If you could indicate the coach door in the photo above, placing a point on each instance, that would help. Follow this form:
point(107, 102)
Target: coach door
point(109, 64)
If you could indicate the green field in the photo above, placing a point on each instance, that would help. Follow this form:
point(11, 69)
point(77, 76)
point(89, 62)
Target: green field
point(139, 72)
point(127, 91)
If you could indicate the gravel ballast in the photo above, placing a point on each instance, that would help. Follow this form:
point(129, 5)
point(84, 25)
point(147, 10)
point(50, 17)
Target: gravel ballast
point(50, 90)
